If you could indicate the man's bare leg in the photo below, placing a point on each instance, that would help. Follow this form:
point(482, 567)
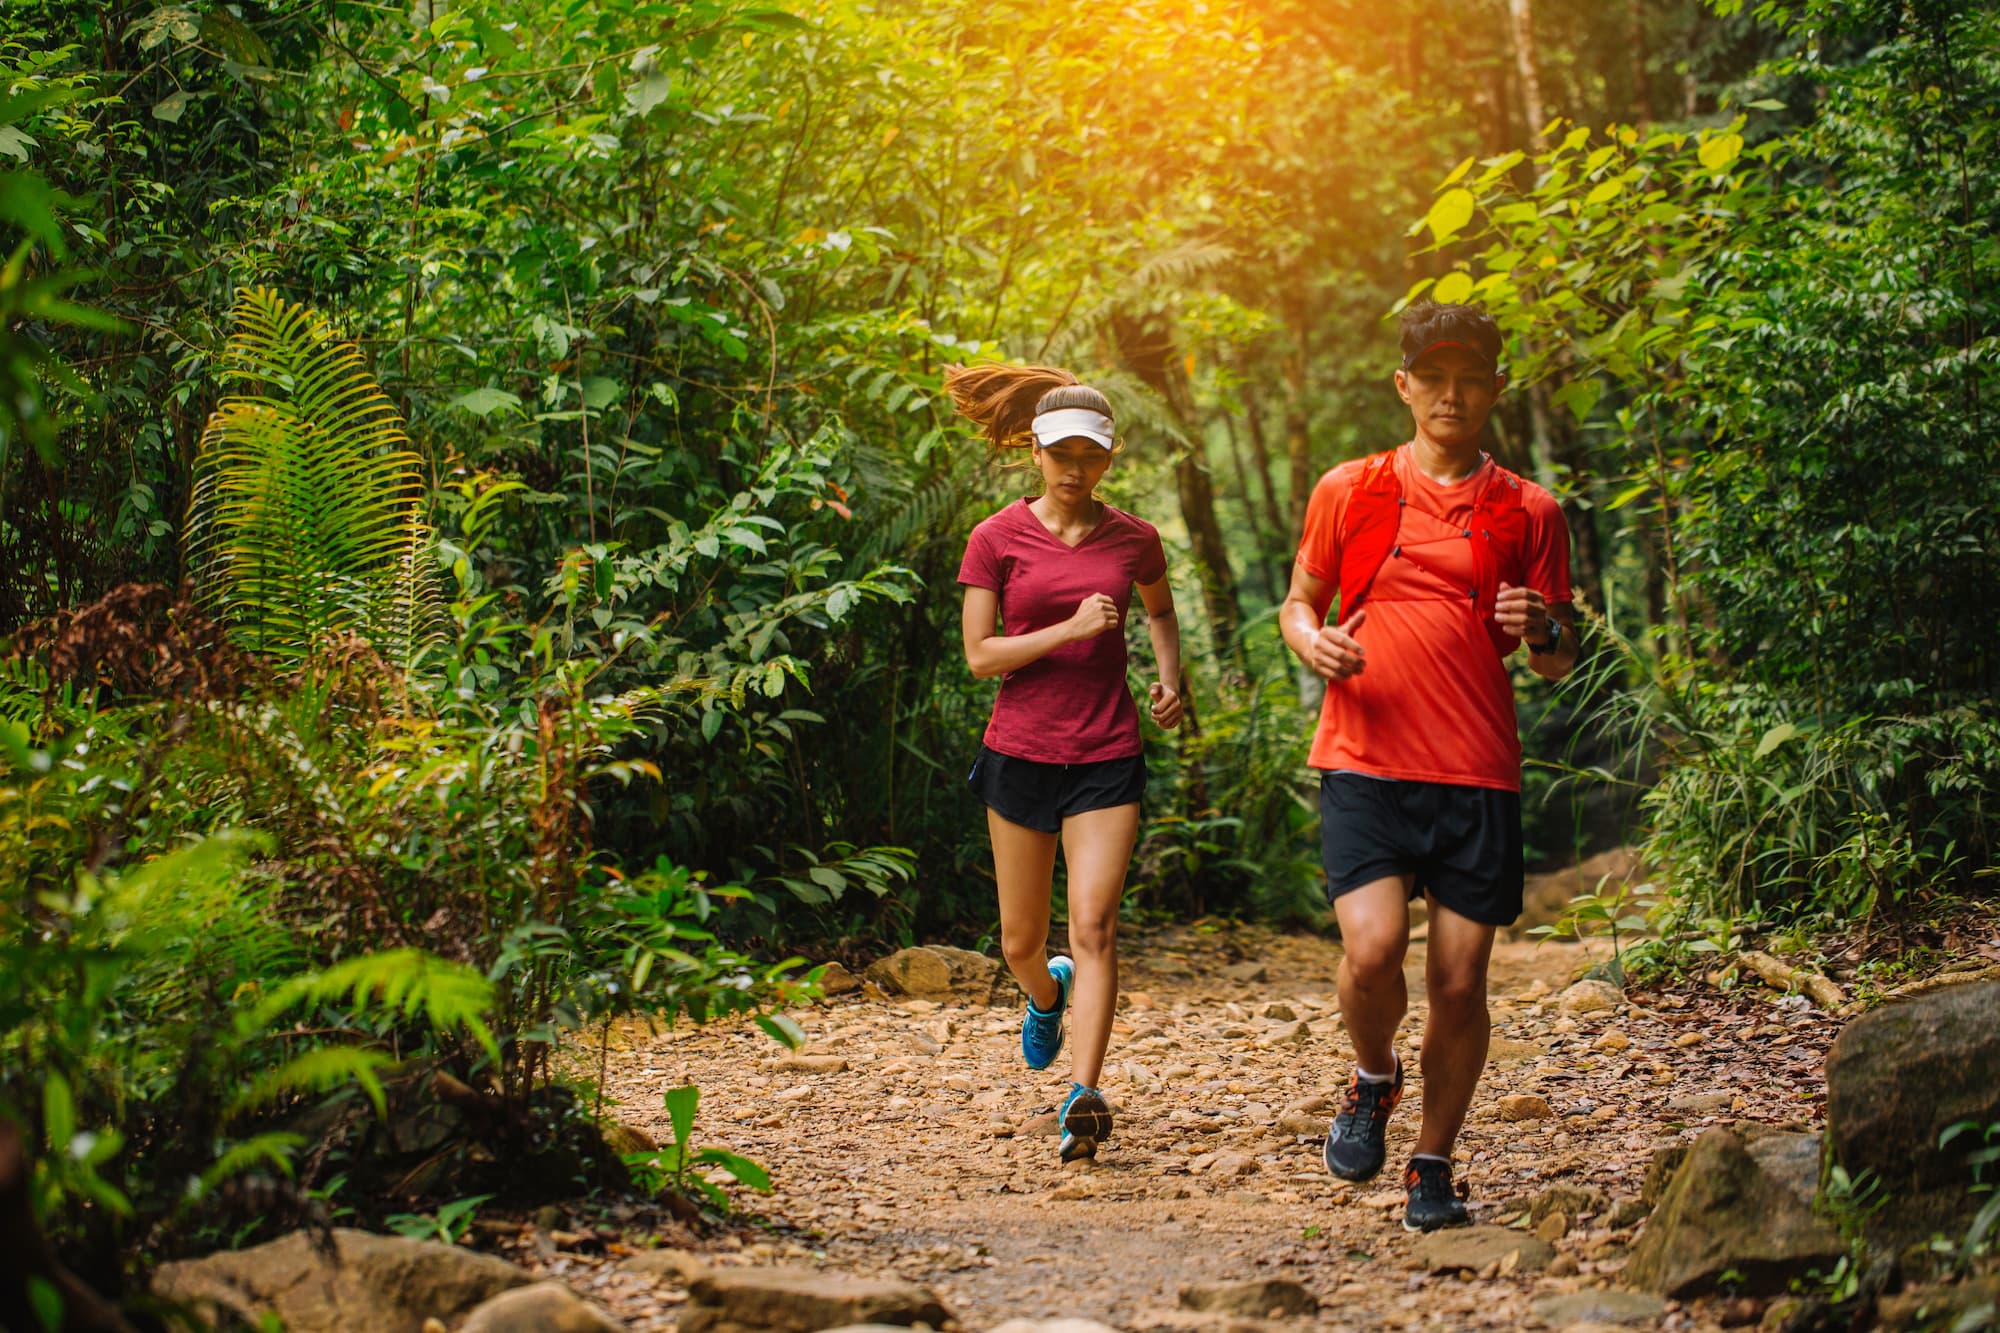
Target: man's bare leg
point(1459, 1027)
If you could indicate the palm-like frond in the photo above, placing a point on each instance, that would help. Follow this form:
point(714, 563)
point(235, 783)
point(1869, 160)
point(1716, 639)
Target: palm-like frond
point(307, 517)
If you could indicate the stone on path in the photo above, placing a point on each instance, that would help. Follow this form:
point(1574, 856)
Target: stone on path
point(803, 1300)
point(681, 1266)
point(837, 980)
point(1248, 974)
point(936, 971)
point(1473, 1249)
point(1272, 1297)
point(813, 1064)
point(1525, 1106)
point(1589, 996)
point(1737, 1203)
point(368, 1281)
point(546, 1307)
point(1901, 1075)
point(1599, 1307)
point(1043, 1326)
point(1295, 1033)
point(1571, 1200)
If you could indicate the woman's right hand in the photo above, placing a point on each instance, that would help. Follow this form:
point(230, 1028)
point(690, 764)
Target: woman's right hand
point(1094, 615)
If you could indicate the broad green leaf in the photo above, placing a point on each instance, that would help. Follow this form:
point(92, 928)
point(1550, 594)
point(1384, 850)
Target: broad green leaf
point(648, 93)
point(1720, 150)
point(1450, 213)
point(746, 1171)
point(1775, 737)
point(1604, 193)
point(482, 402)
point(1453, 288)
point(1629, 494)
point(681, 1103)
point(783, 1029)
point(1457, 174)
point(172, 107)
point(1579, 396)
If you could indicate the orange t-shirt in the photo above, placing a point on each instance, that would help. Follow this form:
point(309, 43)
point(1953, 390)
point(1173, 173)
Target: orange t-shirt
point(1435, 702)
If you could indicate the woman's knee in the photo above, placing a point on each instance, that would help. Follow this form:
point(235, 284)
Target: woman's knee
point(1024, 947)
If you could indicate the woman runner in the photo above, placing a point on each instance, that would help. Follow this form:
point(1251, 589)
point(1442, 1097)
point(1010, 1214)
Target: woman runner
point(1047, 584)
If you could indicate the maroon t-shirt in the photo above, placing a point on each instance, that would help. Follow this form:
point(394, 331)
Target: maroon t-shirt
point(1071, 706)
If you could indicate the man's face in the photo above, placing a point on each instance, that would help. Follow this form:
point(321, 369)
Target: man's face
point(1450, 392)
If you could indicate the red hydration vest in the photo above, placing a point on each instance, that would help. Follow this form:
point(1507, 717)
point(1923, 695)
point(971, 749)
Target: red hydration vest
point(1499, 531)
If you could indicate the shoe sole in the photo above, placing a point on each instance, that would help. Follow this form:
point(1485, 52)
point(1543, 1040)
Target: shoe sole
point(1088, 1118)
point(1442, 1226)
point(1075, 1148)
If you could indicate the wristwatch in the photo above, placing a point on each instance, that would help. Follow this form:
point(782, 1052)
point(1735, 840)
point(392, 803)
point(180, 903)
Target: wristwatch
point(1555, 641)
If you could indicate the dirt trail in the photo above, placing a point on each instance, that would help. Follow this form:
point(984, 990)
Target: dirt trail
point(932, 1153)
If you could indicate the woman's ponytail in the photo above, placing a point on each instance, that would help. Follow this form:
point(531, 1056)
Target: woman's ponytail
point(1002, 400)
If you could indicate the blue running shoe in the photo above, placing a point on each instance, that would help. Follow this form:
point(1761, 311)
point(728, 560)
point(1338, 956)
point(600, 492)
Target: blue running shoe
point(1042, 1034)
point(1085, 1121)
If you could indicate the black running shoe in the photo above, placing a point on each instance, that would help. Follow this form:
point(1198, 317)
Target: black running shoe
point(1433, 1202)
point(1355, 1144)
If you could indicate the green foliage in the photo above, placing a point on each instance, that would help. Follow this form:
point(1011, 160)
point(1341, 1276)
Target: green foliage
point(306, 523)
point(673, 1167)
point(1979, 1238)
point(1605, 912)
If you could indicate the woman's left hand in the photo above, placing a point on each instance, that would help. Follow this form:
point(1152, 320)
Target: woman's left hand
point(1166, 706)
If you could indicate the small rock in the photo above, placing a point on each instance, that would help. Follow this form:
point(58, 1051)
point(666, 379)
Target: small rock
point(546, 1307)
point(1045, 1326)
point(1525, 1106)
point(1687, 1039)
point(813, 1064)
point(1232, 1164)
point(1701, 1103)
point(1135, 999)
point(1572, 1200)
point(1248, 974)
point(923, 1043)
point(837, 980)
point(1589, 996)
point(682, 1266)
point(1611, 1041)
point(1599, 1307)
point(1038, 1126)
point(1281, 1011)
point(1564, 1265)
point(1553, 1227)
point(1273, 1297)
point(801, 1300)
point(1302, 1125)
point(1295, 1033)
point(1626, 1211)
point(1471, 1249)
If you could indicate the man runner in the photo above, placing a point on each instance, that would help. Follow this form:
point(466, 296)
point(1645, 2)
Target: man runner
point(1445, 563)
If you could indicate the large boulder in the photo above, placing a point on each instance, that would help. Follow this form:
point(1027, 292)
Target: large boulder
point(803, 1300)
point(1742, 1203)
point(937, 971)
point(1896, 1079)
point(386, 1284)
point(1475, 1249)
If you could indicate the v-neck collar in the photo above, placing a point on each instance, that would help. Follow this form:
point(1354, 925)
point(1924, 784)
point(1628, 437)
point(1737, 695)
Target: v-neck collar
point(1103, 521)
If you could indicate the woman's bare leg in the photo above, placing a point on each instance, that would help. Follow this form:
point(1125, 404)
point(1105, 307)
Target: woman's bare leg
point(1097, 850)
point(1024, 865)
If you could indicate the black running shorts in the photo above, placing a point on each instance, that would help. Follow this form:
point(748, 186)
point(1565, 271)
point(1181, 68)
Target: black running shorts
point(1462, 844)
point(1040, 796)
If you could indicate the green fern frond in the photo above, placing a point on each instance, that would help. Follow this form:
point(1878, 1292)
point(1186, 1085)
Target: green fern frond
point(307, 515)
point(406, 983)
point(316, 1071)
point(275, 1148)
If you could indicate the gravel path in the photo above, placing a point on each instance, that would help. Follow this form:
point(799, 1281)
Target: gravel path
point(908, 1138)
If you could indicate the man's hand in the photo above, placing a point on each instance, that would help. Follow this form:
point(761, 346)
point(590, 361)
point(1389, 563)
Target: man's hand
point(1094, 615)
point(1166, 706)
point(1336, 654)
point(1523, 613)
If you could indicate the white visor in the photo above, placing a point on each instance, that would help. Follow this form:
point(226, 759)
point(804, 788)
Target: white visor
point(1069, 422)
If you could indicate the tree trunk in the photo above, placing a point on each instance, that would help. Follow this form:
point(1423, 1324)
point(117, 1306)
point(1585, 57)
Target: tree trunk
point(1146, 347)
point(1525, 65)
point(1298, 442)
point(1281, 538)
point(1642, 90)
point(1249, 501)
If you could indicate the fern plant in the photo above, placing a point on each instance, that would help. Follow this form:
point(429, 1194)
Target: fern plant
point(307, 519)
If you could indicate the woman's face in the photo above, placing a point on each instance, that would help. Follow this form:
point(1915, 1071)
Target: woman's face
point(1072, 468)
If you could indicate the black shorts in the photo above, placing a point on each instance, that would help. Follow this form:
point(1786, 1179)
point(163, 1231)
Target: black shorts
point(1463, 844)
point(1040, 796)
